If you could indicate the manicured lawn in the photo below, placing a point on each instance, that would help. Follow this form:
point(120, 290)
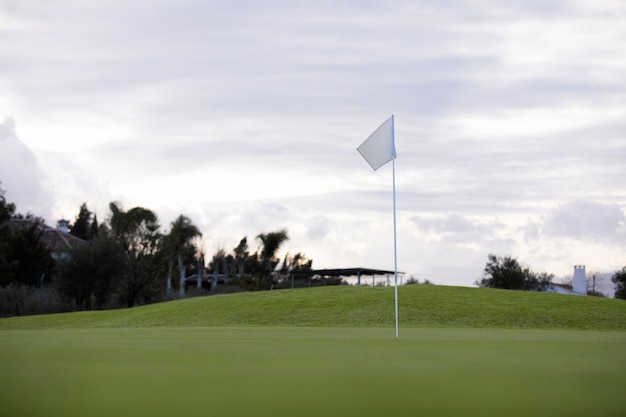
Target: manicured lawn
point(430, 306)
point(311, 371)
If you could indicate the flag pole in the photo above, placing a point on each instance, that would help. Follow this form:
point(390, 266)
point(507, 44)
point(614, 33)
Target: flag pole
point(395, 246)
point(378, 149)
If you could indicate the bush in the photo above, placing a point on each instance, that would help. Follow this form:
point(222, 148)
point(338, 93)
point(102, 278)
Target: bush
point(507, 273)
point(619, 278)
point(21, 300)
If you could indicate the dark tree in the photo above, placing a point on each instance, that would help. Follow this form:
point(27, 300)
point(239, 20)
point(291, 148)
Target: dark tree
point(619, 278)
point(6, 209)
point(271, 242)
point(507, 273)
point(24, 257)
point(241, 254)
point(93, 229)
point(297, 264)
point(28, 253)
point(82, 225)
point(7, 265)
point(178, 245)
point(137, 231)
point(143, 283)
point(92, 272)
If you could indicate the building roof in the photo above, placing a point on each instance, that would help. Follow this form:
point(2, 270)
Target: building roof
point(351, 272)
point(57, 241)
point(561, 288)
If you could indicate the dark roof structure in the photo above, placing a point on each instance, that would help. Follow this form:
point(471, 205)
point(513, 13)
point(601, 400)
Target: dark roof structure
point(351, 272)
point(59, 241)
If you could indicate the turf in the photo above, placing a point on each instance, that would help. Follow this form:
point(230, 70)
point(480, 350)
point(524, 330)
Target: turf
point(323, 352)
point(420, 306)
point(312, 372)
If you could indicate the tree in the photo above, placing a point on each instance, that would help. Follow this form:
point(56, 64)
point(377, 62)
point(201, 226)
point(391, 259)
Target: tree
point(295, 266)
point(82, 225)
point(6, 209)
point(93, 271)
point(507, 273)
point(26, 251)
point(221, 263)
point(24, 257)
point(241, 254)
point(137, 231)
point(619, 278)
point(271, 242)
point(93, 229)
point(178, 245)
point(7, 265)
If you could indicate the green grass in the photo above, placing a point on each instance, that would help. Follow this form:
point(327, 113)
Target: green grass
point(311, 372)
point(323, 352)
point(420, 306)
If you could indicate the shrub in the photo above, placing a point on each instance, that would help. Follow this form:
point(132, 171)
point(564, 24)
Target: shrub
point(507, 273)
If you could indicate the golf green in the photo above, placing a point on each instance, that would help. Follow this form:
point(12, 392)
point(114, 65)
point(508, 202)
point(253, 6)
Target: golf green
point(291, 371)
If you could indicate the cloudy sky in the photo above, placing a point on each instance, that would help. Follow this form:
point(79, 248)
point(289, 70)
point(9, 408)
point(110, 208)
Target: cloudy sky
point(245, 116)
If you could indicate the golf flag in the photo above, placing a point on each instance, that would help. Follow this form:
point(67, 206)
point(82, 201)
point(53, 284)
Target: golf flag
point(379, 148)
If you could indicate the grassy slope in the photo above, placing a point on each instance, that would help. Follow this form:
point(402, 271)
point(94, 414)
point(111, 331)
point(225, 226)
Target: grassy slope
point(420, 306)
point(251, 354)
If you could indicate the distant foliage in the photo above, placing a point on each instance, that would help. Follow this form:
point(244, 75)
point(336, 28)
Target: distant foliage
point(19, 300)
point(128, 260)
point(85, 225)
point(412, 281)
point(619, 278)
point(507, 273)
point(24, 258)
point(93, 272)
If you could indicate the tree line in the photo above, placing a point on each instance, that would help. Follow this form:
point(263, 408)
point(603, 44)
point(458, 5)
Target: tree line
point(506, 272)
point(129, 259)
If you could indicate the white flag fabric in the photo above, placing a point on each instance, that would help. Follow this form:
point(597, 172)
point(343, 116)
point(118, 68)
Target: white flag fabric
point(379, 148)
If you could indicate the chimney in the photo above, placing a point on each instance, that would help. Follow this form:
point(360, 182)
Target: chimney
point(63, 226)
point(580, 280)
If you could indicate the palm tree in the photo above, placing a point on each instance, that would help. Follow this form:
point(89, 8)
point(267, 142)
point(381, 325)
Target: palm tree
point(271, 242)
point(177, 242)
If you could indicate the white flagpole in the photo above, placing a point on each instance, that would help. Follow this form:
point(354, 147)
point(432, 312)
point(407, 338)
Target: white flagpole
point(395, 246)
point(377, 150)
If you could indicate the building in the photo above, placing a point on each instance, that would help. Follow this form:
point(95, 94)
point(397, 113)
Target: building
point(58, 240)
point(580, 280)
point(578, 286)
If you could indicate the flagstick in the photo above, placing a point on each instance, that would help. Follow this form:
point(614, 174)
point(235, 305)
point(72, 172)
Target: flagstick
point(395, 249)
point(378, 149)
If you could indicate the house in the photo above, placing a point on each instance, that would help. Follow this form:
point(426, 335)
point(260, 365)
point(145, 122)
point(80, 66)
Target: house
point(560, 288)
point(578, 286)
point(58, 240)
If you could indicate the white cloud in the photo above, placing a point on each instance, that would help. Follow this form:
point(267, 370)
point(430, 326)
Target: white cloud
point(20, 174)
point(587, 220)
point(245, 116)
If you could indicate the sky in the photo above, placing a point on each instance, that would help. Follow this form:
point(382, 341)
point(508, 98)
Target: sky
point(510, 125)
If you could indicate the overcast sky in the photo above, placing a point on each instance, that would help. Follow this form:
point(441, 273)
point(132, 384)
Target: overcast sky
point(510, 122)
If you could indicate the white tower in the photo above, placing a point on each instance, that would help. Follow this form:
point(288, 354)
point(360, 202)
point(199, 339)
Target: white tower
point(580, 280)
point(63, 226)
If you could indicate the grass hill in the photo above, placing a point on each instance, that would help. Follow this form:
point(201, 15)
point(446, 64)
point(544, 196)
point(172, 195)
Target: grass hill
point(323, 352)
point(347, 306)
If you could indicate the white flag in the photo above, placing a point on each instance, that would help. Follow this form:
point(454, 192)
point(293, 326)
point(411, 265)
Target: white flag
point(379, 148)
